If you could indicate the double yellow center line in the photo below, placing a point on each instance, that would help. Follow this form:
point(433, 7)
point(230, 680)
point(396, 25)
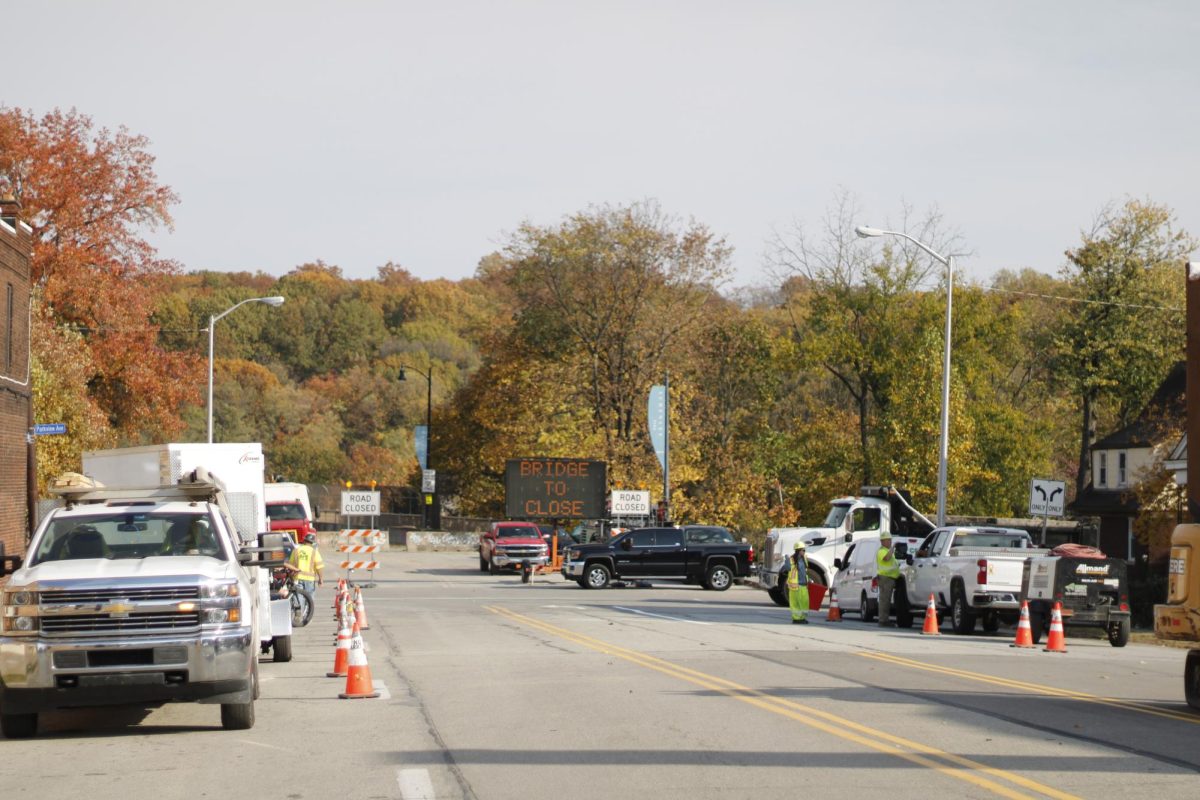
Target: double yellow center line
point(1036, 688)
point(949, 764)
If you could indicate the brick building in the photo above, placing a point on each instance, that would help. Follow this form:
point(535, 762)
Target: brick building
point(16, 397)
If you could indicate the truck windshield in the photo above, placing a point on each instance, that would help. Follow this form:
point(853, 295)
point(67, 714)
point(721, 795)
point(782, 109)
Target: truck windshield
point(837, 514)
point(285, 511)
point(132, 535)
point(518, 533)
point(988, 540)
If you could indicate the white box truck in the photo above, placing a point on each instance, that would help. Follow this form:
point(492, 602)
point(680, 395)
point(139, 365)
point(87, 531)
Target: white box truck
point(241, 467)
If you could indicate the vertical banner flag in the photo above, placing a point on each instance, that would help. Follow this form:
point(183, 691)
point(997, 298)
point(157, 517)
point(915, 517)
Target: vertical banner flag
point(421, 440)
point(656, 414)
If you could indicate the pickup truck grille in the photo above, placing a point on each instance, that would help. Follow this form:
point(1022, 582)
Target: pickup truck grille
point(105, 623)
point(133, 610)
point(518, 551)
point(167, 593)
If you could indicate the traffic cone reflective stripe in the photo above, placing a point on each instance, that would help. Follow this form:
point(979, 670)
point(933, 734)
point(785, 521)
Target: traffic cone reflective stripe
point(358, 677)
point(342, 653)
point(360, 609)
point(1024, 630)
point(1056, 642)
point(835, 613)
point(931, 619)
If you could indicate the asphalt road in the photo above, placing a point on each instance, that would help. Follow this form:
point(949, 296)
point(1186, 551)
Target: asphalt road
point(497, 689)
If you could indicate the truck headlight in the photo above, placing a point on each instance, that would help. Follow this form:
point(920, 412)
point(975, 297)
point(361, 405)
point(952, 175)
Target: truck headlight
point(227, 589)
point(21, 598)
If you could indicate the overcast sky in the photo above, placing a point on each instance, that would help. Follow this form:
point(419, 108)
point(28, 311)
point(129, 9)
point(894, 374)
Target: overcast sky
point(420, 133)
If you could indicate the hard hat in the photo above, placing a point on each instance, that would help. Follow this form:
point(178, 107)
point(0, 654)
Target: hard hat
point(799, 546)
point(310, 538)
point(885, 536)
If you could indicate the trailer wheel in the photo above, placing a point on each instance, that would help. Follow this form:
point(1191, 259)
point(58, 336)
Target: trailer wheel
point(1118, 633)
point(991, 622)
point(778, 596)
point(282, 647)
point(1191, 679)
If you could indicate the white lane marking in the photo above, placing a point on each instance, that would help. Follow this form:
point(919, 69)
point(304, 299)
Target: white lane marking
point(661, 616)
point(415, 784)
point(263, 744)
point(381, 687)
point(576, 608)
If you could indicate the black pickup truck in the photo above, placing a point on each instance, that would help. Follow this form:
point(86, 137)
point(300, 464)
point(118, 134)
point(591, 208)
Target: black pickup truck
point(703, 554)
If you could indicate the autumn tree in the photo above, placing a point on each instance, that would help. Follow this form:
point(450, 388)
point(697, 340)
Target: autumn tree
point(1122, 335)
point(89, 195)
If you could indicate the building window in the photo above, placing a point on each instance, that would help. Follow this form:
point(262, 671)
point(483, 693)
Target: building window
point(1102, 470)
point(8, 341)
point(1120, 469)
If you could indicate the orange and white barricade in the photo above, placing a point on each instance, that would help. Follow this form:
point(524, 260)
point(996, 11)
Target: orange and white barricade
point(364, 544)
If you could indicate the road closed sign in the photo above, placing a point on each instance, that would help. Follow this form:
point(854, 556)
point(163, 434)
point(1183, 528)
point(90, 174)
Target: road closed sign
point(629, 504)
point(360, 503)
point(1047, 498)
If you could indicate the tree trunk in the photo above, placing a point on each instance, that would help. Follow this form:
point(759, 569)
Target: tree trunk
point(1086, 436)
point(864, 441)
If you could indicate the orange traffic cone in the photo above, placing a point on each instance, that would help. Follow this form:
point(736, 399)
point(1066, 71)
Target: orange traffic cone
point(1056, 642)
point(835, 613)
point(337, 593)
point(358, 678)
point(1024, 631)
point(931, 619)
point(360, 610)
point(341, 655)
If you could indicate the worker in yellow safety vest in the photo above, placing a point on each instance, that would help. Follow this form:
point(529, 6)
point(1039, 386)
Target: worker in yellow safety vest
point(307, 563)
point(887, 571)
point(797, 585)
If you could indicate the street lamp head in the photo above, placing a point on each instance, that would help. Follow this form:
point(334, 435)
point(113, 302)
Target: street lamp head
point(273, 301)
point(866, 231)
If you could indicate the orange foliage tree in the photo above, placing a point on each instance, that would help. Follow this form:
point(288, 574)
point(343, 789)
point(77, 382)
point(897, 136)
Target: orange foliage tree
point(88, 194)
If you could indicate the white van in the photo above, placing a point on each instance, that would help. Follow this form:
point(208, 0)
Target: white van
point(855, 581)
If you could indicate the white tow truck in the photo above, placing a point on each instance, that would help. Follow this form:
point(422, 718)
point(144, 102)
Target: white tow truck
point(876, 509)
point(132, 596)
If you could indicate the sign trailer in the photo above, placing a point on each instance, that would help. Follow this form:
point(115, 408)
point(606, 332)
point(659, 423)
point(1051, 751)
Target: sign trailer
point(554, 488)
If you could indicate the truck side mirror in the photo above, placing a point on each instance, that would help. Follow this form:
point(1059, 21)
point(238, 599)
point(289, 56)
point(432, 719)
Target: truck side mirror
point(837, 563)
point(901, 550)
point(9, 564)
point(849, 537)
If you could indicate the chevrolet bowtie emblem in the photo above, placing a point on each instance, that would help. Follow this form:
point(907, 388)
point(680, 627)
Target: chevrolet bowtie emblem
point(120, 608)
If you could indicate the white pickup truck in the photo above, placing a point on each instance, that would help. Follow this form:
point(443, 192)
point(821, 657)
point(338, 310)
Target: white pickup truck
point(972, 572)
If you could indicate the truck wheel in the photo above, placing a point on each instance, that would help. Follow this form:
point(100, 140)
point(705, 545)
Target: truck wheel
point(991, 622)
point(19, 726)
point(237, 716)
point(282, 647)
point(864, 609)
point(904, 615)
point(483, 564)
point(960, 615)
point(1118, 633)
point(254, 677)
point(719, 578)
point(1037, 624)
point(596, 576)
point(1191, 680)
point(778, 596)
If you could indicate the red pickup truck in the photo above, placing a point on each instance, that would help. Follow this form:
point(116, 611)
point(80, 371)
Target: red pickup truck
point(508, 544)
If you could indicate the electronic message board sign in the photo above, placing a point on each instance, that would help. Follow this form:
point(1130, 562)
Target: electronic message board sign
point(554, 488)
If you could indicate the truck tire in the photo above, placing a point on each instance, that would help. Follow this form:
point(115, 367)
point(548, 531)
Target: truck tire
point(778, 596)
point(991, 622)
point(596, 576)
point(904, 615)
point(281, 646)
point(237, 716)
point(864, 609)
point(960, 613)
point(719, 578)
point(18, 726)
point(1191, 680)
point(1118, 633)
point(483, 564)
point(1037, 624)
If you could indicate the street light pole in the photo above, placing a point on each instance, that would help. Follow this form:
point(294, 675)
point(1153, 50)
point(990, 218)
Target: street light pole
point(212, 322)
point(426, 508)
point(944, 443)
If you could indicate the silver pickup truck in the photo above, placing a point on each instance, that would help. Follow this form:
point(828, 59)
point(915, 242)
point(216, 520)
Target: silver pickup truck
point(132, 597)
